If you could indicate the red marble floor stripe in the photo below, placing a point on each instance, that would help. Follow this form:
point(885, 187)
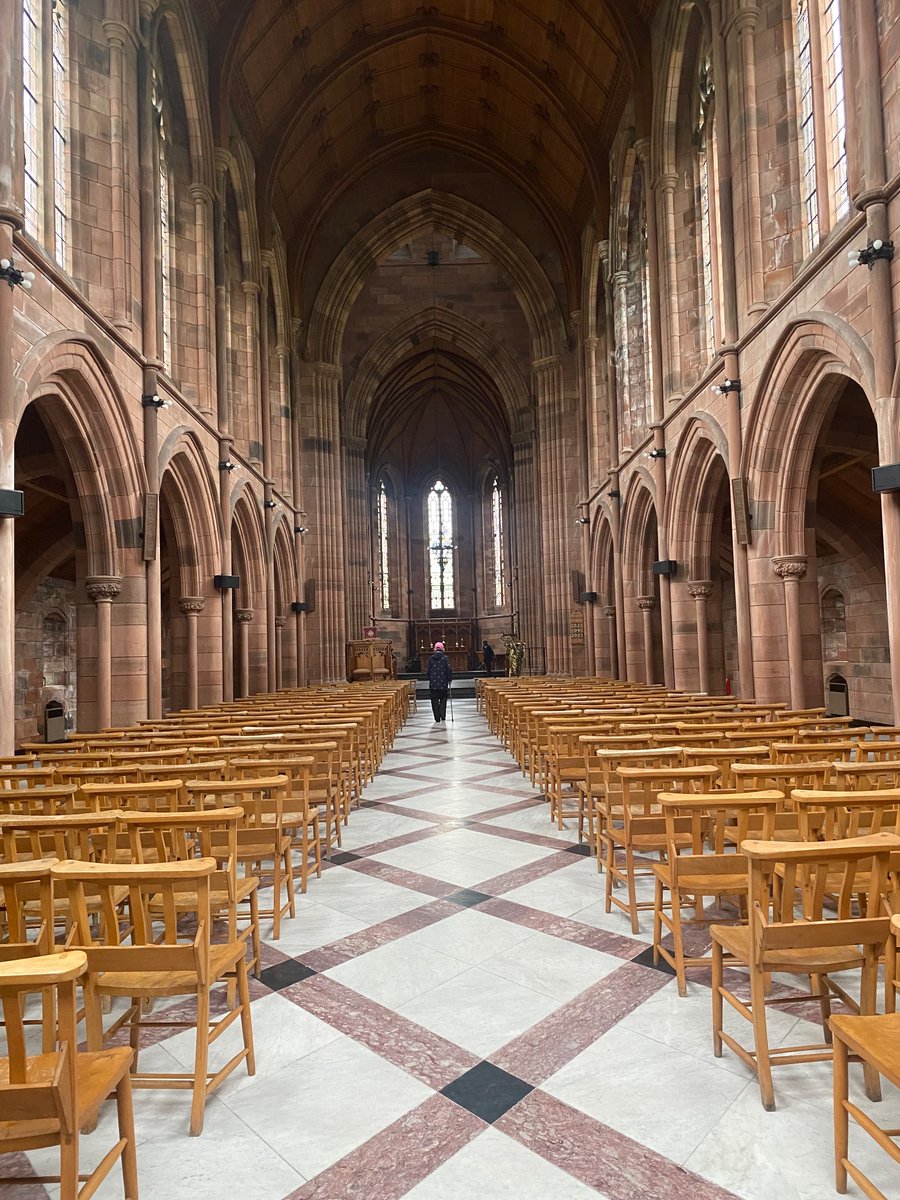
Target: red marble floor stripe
point(403, 878)
point(378, 935)
point(545, 1048)
point(504, 810)
point(391, 1163)
point(418, 1051)
point(564, 927)
point(15, 1166)
point(601, 1157)
point(402, 839)
point(527, 874)
point(515, 835)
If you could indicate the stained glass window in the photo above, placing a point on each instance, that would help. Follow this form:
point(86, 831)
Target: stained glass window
point(32, 91)
point(836, 114)
point(497, 542)
point(440, 547)
point(384, 568)
point(808, 191)
point(60, 135)
point(165, 248)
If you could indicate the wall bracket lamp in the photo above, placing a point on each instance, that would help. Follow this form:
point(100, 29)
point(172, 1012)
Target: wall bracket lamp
point(871, 253)
point(657, 452)
point(582, 520)
point(614, 494)
point(269, 504)
point(13, 275)
point(154, 402)
point(301, 529)
point(726, 386)
point(225, 464)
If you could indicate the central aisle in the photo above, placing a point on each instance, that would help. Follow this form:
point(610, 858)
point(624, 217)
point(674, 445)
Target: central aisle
point(452, 1016)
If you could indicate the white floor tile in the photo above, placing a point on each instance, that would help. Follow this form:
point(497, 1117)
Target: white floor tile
point(397, 972)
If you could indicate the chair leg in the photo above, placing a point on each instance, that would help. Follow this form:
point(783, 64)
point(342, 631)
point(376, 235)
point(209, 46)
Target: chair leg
point(254, 931)
point(246, 1022)
point(761, 1040)
point(125, 1115)
point(276, 896)
point(678, 943)
point(289, 876)
point(868, 995)
point(632, 892)
point(841, 1117)
point(134, 1033)
point(68, 1167)
point(819, 988)
point(718, 979)
point(201, 1063)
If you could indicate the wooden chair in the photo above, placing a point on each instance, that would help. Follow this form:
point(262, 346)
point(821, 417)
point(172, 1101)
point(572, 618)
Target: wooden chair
point(867, 776)
point(45, 1099)
point(703, 867)
point(607, 786)
point(815, 944)
point(36, 801)
point(159, 961)
point(27, 897)
point(300, 818)
point(643, 828)
point(874, 1041)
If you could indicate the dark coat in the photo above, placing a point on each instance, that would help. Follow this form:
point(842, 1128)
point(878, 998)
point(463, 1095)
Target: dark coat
point(439, 672)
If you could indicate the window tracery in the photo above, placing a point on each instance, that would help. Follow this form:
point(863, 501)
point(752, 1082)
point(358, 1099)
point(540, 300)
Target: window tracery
point(441, 548)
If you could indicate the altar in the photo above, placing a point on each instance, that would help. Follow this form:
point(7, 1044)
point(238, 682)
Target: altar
point(457, 635)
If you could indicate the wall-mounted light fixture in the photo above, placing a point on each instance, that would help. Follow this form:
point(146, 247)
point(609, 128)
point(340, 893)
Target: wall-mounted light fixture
point(154, 402)
point(13, 275)
point(225, 464)
point(871, 253)
point(726, 386)
point(582, 520)
point(269, 504)
point(614, 494)
point(301, 529)
point(657, 452)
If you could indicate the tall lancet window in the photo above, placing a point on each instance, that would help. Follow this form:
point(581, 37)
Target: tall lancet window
point(32, 91)
point(441, 548)
point(45, 124)
point(706, 168)
point(497, 543)
point(384, 556)
point(58, 34)
point(164, 225)
point(808, 185)
point(836, 112)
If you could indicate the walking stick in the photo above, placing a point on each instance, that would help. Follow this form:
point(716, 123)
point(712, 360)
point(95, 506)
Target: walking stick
point(450, 698)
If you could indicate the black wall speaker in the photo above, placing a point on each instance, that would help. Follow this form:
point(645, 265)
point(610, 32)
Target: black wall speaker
point(588, 597)
point(886, 479)
point(12, 503)
point(226, 583)
point(665, 566)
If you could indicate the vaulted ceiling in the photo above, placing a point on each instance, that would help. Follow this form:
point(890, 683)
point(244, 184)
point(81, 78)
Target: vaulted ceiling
point(328, 92)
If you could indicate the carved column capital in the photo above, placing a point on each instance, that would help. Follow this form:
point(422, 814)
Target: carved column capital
point(280, 622)
point(103, 587)
point(327, 370)
point(201, 194)
point(250, 287)
point(191, 605)
point(646, 603)
point(244, 615)
point(609, 610)
point(700, 589)
point(790, 566)
point(745, 20)
point(620, 279)
point(667, 181)
point(119, 33)
point(544, 366)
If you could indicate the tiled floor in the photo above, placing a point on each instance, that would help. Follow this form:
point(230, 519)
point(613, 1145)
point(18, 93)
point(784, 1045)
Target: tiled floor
point(452, 1016)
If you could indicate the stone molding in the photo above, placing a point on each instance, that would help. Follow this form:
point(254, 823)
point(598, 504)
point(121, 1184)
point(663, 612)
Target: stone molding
point(103, 587)
point(119, 33)
point(191, 605)
point(327, 370)
point(646, 603)
point(545, 366)
point(790, 566)
point(244, 614)
point(280, 622)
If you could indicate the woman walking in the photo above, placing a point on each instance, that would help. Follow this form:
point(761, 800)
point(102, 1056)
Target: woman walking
point(440, 673)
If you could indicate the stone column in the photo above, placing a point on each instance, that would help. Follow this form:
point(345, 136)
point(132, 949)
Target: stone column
point(244, 617)
point(791, 569)
point(254, 401)
point(647, 604)
point(120, 37)
point(192, 606)
point(223, 162)
point(359, 539)
point(619, 283)
point(265, 399)
point(103, 589)
point(202, 197)
point(701, 590)
point(554, 422)
point(10, 220)
point(745, 20)
point(609, 611)
point(279, 651)
point(526, 551)
point(667, 184)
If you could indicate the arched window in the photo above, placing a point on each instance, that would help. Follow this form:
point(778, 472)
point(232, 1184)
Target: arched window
point(384, 549)
point(496, 588)
point(441, 548)
point(164, 225)
point(706, 184)
point(825, 195)
point(45, 124)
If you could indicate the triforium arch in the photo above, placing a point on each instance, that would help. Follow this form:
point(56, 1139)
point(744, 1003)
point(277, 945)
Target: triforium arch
point(249, 558)
point(603, 581)
point(284, 575)
point(426, 211)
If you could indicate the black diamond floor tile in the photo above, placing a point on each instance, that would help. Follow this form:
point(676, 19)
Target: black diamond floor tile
point(645, 958)
point(468, 898)
point(342, 857)
point(283, 974)
point(487, 1091)
point(581, 848)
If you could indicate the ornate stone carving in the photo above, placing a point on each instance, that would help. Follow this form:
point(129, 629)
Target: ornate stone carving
point(700, 589)
point(280, 622)
point(790, 566)
point(646, 603)
point(609, 610)
point(250, 287)
point(545, 366)
point(327, 370)
point(244, 614)
point(191, 605)
point(103, 587)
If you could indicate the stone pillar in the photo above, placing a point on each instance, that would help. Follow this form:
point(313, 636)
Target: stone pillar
point(223, 381)
point(202, 197)
point(103, 589)
point(557, 519)
point(321, 465)
point(10, 220)
point(359, 539)
point(192, 606)
point(619, 283)
point(244, 617)
point(279, 651)
point(120, 37)
point(745, 20)
point(250, 288)
point(791, 569)
point(526, 552)
point(667, 184)
point(265, 399)
point(647, 604)
point(227, 594)
point(609, 611)
point(701, 590)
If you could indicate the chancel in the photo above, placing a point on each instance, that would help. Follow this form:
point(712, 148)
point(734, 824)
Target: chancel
point(537, 358)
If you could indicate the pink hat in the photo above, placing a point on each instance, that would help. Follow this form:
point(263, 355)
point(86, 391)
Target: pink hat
point(438, 645)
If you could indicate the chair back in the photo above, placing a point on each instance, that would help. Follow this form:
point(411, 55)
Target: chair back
point(85, 837)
